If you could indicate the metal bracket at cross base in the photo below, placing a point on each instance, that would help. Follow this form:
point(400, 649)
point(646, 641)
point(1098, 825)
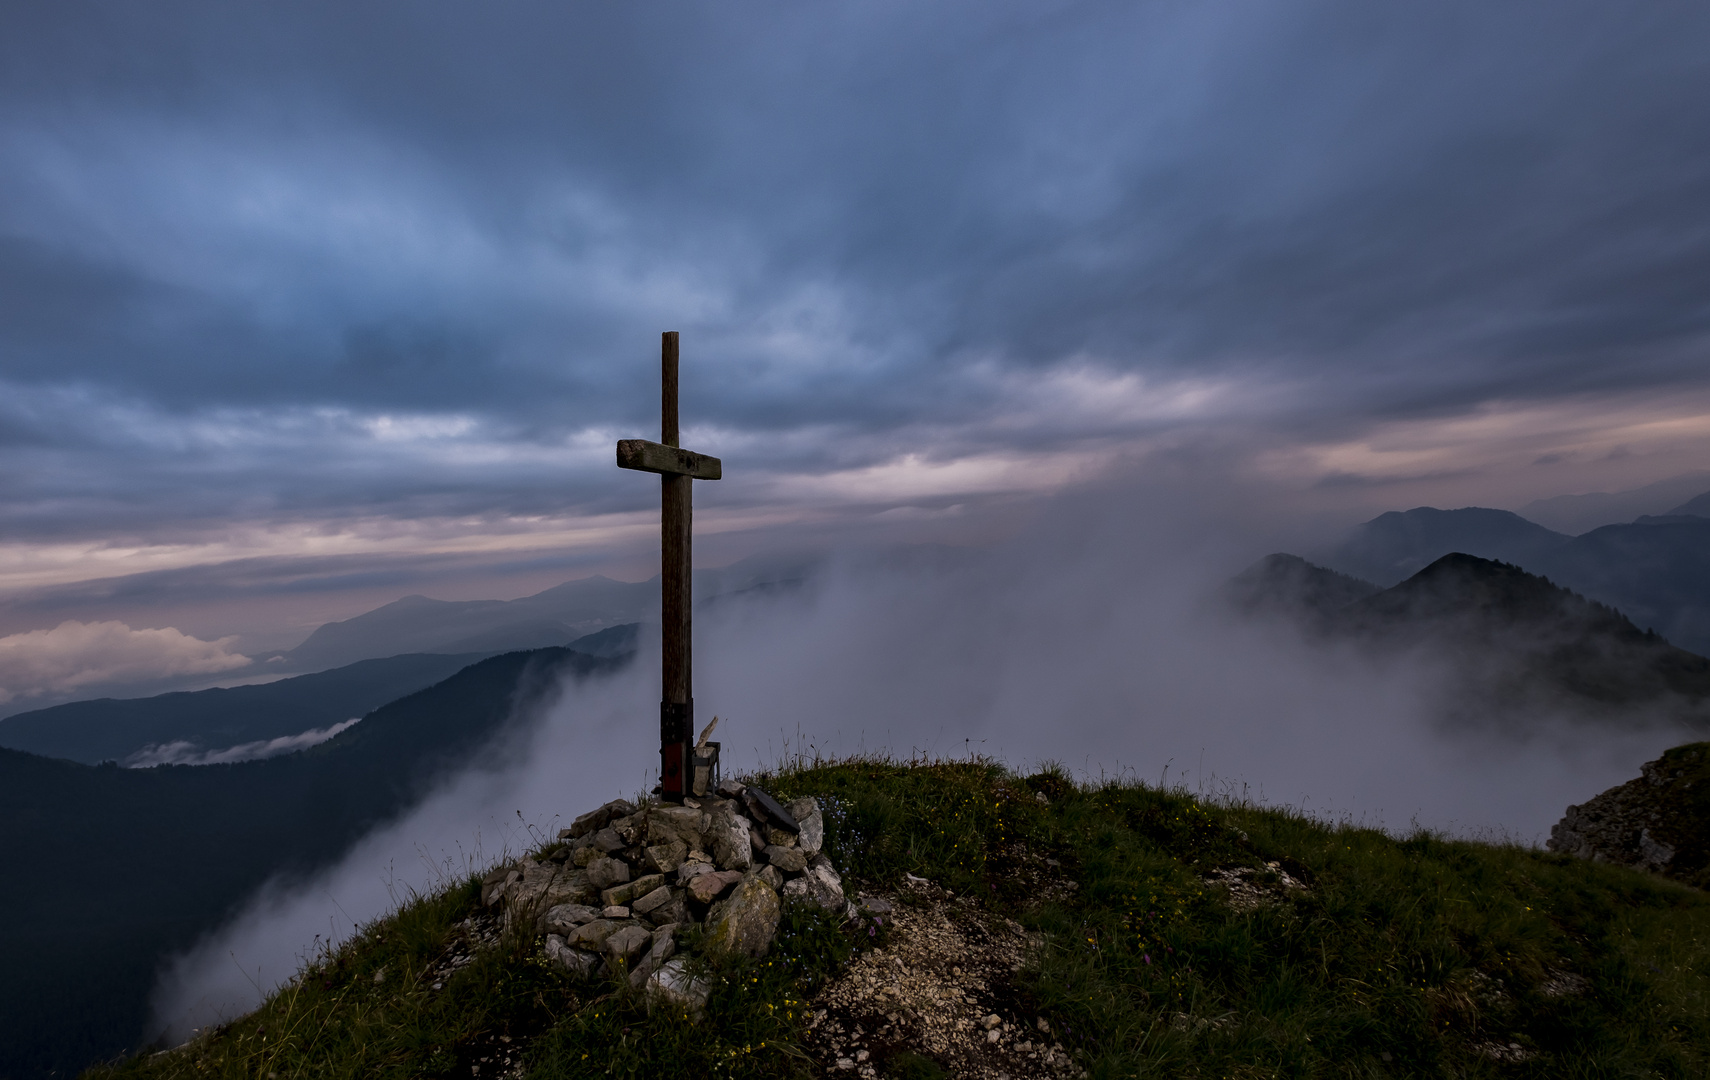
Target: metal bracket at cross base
point(676, 748)
point(700, 776)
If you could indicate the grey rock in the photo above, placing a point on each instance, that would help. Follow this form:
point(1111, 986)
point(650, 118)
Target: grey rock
point(597, 819)
point(656, 898)
point(565, 918)
point(624, 946)
point(691, 869)
point(731, 847)
point(607, 872)
point(624, 893)
point(663, 947)
point(703, 888)
point(824, 886)
point(811, 823)
point(746, 921)
point(584, 856)
point(674, 992)
point(730, 789)
point(771, 875)
point(787, 859)
point(680, 824)
point(591, 936)
point(631, 828)
point(674, 911)
point(874, 905)
point(776, 837)
point(665, 858)
point(616, 911)
point(1656, 854)
point(576, 962)
point(497, 881)
point(608, 840)
point(541, 887)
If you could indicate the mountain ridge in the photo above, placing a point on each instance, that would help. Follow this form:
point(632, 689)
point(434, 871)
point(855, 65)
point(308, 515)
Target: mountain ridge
point(80, 963)
point(1517, 643)
point(1655, 569)
point(553, 616)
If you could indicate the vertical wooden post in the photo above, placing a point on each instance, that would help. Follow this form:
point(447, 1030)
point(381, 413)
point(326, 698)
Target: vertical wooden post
point(677, 469)
point(677, 704)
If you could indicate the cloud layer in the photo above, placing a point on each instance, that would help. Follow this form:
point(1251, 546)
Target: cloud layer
point(75, 654)
point(181, 752)
point(293, 281)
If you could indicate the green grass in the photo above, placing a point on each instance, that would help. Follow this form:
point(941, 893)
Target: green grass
point(1402, 958)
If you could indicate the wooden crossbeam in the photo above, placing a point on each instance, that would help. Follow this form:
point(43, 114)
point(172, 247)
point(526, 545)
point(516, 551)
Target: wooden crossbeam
point(669, 460)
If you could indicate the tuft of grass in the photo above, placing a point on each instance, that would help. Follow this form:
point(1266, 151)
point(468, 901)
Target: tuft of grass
point(1420, 956)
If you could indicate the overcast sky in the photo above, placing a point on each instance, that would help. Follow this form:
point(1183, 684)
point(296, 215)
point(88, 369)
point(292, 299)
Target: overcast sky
point(306, 306)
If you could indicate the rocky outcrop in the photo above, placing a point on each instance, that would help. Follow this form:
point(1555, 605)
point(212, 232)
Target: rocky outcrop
point(612, 894)
point(1659, 822)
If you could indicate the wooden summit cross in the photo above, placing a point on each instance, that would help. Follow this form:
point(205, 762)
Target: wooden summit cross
point(678, 468)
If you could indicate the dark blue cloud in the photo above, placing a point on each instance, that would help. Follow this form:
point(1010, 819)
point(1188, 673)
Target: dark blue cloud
point(287, 221)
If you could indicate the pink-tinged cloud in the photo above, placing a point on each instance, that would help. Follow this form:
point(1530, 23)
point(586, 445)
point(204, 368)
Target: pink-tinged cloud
point(75, 654)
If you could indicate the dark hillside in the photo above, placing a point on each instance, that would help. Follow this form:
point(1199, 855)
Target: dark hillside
point(1118, 930)
point(1656, 569)
point(111, 729)
point(1697, 506)
point(1530, 637)
point(1289, 585)
point(1515, 644)
point(114, 868)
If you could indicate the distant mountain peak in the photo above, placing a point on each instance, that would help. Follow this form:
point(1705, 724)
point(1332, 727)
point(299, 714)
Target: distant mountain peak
point(1396, 545)
point(1289, 584)
point(1699, 506)
point(1516, 644)
point(1459, 585)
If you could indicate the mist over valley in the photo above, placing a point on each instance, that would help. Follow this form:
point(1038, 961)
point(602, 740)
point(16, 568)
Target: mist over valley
point(1472, 697)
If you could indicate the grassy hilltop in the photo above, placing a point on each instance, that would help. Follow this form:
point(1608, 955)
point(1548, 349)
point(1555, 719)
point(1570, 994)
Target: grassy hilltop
point(1166, 936)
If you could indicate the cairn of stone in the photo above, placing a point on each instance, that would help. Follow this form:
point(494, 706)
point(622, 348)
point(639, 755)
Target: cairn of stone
point(624, 879)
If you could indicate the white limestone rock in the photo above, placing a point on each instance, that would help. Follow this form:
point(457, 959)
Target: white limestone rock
point(812, 824)
point(671, 988)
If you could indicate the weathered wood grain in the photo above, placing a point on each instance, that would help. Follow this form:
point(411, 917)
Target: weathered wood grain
point(668, 460)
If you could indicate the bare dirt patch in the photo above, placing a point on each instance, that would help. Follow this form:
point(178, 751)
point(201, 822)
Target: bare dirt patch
point(941, 988)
